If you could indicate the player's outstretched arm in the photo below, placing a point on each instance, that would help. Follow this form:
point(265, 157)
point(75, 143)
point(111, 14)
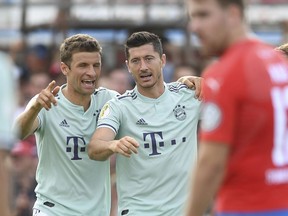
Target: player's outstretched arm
point(27, 122)
point(103, 145)
point(193, 82)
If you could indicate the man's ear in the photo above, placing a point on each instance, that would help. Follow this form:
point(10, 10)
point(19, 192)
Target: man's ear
point(163, 59)
point(234, 12)
point(64, 68)
point(127, 65)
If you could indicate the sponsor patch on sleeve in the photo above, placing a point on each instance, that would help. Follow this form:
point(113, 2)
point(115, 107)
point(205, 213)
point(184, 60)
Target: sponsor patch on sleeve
point(211, 117)
point(104, 111)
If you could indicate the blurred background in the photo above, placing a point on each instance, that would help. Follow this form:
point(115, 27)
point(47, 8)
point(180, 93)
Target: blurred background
point(32, 30)
point(26, 23)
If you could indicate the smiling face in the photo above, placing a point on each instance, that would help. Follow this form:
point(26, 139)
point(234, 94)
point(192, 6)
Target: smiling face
point(145, 65)
point(83, 73)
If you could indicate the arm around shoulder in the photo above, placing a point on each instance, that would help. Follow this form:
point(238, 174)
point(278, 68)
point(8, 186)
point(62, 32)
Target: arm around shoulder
point(193, 82)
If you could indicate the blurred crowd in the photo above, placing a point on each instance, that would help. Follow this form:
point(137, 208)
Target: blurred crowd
point(34, 67)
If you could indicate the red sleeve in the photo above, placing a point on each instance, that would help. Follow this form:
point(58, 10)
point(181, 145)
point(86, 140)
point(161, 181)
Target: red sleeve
point(222, 90)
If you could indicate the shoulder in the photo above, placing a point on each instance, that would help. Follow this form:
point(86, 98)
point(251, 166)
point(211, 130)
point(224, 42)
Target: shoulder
point(254, 49)
point(127, 96)
point(176, 86)
point(179, 88)
point(105, 91)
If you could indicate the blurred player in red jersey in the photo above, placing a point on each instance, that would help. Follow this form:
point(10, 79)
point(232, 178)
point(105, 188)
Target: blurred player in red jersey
point(243, 156)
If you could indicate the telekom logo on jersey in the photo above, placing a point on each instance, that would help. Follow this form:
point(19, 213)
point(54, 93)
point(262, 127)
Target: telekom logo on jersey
point(279, 96)
point(154, 144)
point(74, 143)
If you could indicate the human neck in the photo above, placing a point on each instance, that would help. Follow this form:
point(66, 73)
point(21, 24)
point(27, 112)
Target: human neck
point(152, 92)
point(237, 35)
point(76, 98)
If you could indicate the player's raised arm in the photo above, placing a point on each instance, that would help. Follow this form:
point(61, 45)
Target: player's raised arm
point(103, 145)
point(27, 121)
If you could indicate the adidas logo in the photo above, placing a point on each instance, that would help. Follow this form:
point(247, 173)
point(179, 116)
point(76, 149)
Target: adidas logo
point(64, 123)
point(141, 122)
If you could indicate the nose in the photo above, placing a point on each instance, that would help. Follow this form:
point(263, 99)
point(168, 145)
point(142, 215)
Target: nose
point(91, 70)
point(143, 65)
point(194, 25)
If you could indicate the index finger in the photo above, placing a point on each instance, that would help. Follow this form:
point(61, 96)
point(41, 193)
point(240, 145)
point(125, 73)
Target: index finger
point(133, 142)
point(197, 88)
point(51, 85)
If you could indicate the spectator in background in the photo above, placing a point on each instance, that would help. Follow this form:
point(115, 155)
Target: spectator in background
point(184, 70)
point(55, 68)
point(29, 60)
point(24, 162)
point(37, 82)
point(243, 153)
point(32, 86)
point(120, 80)
point(8, 99)
point(172, 54)
point(37, 58)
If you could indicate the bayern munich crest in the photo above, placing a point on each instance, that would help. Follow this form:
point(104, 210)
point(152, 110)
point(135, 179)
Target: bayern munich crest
point(179, 112)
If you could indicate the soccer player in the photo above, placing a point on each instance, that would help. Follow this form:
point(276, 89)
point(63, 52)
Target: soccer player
point(64, 119)
point(243, 153)
point(153, 130)
point(7, 109)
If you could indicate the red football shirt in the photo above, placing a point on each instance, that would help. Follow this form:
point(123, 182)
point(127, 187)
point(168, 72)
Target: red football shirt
point(246, 107)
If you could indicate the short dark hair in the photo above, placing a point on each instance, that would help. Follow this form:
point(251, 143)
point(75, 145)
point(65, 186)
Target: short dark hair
point(141, 38)
point(226, 3)
point(238, 3)
point(78, 43)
